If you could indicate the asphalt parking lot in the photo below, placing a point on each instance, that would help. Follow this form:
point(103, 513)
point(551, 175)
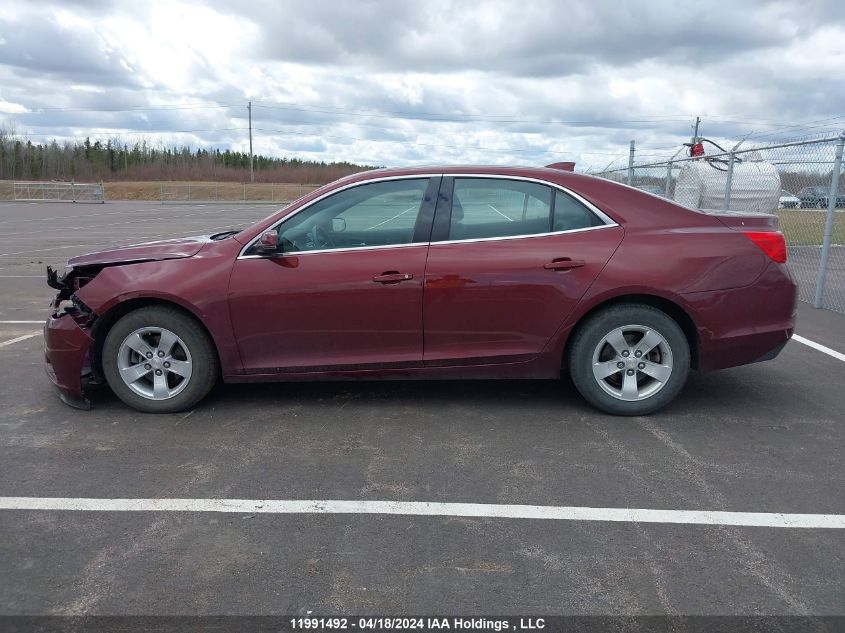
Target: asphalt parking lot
point(766, 438)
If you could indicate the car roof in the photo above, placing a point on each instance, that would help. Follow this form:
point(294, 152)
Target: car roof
point(543, 173)
point(548, 174)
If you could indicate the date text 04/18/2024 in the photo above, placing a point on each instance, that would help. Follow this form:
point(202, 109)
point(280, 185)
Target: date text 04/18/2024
point(373, 623)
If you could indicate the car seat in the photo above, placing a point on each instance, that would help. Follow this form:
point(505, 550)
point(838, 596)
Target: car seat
point(456, 225)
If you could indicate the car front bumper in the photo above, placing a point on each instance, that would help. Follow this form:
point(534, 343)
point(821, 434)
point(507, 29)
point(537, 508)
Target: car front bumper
point(67, 358)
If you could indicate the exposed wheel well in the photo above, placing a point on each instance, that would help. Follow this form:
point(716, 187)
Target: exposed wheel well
point(105, 322)
point(675, 311)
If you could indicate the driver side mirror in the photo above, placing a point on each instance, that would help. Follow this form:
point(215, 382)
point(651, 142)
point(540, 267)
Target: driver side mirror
point(268, 243)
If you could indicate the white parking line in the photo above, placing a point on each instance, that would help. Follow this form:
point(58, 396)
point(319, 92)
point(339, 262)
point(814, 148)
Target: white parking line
point(12, 341)
point(819, 347)
point(500, 213)
point(21, 322)
point(391, 219)
point(429, 508)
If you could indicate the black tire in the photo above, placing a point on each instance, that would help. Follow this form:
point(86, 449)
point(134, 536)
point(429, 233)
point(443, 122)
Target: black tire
point(590, 334)
point(203, 357)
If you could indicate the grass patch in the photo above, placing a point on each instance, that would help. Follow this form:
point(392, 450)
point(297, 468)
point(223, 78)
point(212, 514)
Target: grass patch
point(805, 227)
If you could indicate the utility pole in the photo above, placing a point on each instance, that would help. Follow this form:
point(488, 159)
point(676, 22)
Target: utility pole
point(695, 134)
point(251, 172)
point(631, 164)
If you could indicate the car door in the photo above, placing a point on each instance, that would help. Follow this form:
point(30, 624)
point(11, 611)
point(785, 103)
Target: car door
point(344, 290)
point(509, 260)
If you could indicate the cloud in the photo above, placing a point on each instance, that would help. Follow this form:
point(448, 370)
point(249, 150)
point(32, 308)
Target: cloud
point(400, 82)
point(62, 49)
point(544, 38)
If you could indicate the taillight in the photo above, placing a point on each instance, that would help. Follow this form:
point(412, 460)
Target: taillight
point(771, 243)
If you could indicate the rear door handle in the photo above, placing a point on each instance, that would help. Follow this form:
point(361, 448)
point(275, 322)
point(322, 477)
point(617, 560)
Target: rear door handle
point(563, 263)
point(392, 277)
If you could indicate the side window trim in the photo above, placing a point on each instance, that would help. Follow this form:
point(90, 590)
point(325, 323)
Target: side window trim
point(425, 219)
point(426, 207)
point(443, 211)
point(439, 231)
point(444, 220)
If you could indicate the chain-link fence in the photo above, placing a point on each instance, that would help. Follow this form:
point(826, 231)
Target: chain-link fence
point(802, 182)
point(58, 192)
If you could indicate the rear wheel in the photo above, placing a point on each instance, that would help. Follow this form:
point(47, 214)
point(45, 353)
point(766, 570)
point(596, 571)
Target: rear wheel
point(159, 360)
point(629, 359)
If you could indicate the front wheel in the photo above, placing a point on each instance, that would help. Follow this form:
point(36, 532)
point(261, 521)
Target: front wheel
point(629, 360)
point(157, 359)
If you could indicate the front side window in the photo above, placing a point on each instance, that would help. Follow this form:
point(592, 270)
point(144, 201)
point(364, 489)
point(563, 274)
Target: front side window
point(375, 214)
point(488, 207)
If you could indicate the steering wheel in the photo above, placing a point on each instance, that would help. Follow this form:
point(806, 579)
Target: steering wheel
point(320, 238)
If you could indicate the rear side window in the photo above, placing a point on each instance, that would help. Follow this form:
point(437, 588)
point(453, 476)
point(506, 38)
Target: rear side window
point(488, 207)
point(569, 214)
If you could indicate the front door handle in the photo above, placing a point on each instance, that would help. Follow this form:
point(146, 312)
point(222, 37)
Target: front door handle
point(392, 277)
point(563, 263)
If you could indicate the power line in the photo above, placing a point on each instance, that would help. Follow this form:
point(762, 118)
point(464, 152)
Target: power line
point(117, 132)
point(428, 116)
point(505, 150)
point(335, 137)
point(796, 127)
point(453, 118)
point(141, 108)
point(405, 142)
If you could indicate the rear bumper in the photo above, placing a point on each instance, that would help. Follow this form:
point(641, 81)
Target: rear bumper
point(745, 325)
point(66, 356)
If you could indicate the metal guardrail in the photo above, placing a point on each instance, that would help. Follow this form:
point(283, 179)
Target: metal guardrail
point(59, 192)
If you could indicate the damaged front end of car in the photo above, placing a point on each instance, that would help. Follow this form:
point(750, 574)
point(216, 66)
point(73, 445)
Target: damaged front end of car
point(68, 336)
point(80, 313)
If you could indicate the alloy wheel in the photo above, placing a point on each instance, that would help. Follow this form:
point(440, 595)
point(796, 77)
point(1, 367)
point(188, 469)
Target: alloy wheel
point(632, 362)
point(154, 363)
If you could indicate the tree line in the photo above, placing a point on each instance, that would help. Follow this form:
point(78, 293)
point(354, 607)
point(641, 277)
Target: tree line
point(112, 159)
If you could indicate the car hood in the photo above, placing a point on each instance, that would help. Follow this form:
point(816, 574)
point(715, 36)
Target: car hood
point(145, 252)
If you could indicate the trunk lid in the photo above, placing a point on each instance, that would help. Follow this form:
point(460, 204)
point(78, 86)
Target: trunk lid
point(760, 228)
point(746, 221)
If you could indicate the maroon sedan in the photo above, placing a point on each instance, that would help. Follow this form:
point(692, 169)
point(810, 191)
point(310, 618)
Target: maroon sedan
point(477, 272)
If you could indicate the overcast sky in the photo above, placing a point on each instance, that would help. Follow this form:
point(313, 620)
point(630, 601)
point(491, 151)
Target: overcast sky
point(399, 83)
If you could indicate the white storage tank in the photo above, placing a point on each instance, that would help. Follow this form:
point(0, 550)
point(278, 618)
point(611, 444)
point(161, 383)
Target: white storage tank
point(755, 185)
